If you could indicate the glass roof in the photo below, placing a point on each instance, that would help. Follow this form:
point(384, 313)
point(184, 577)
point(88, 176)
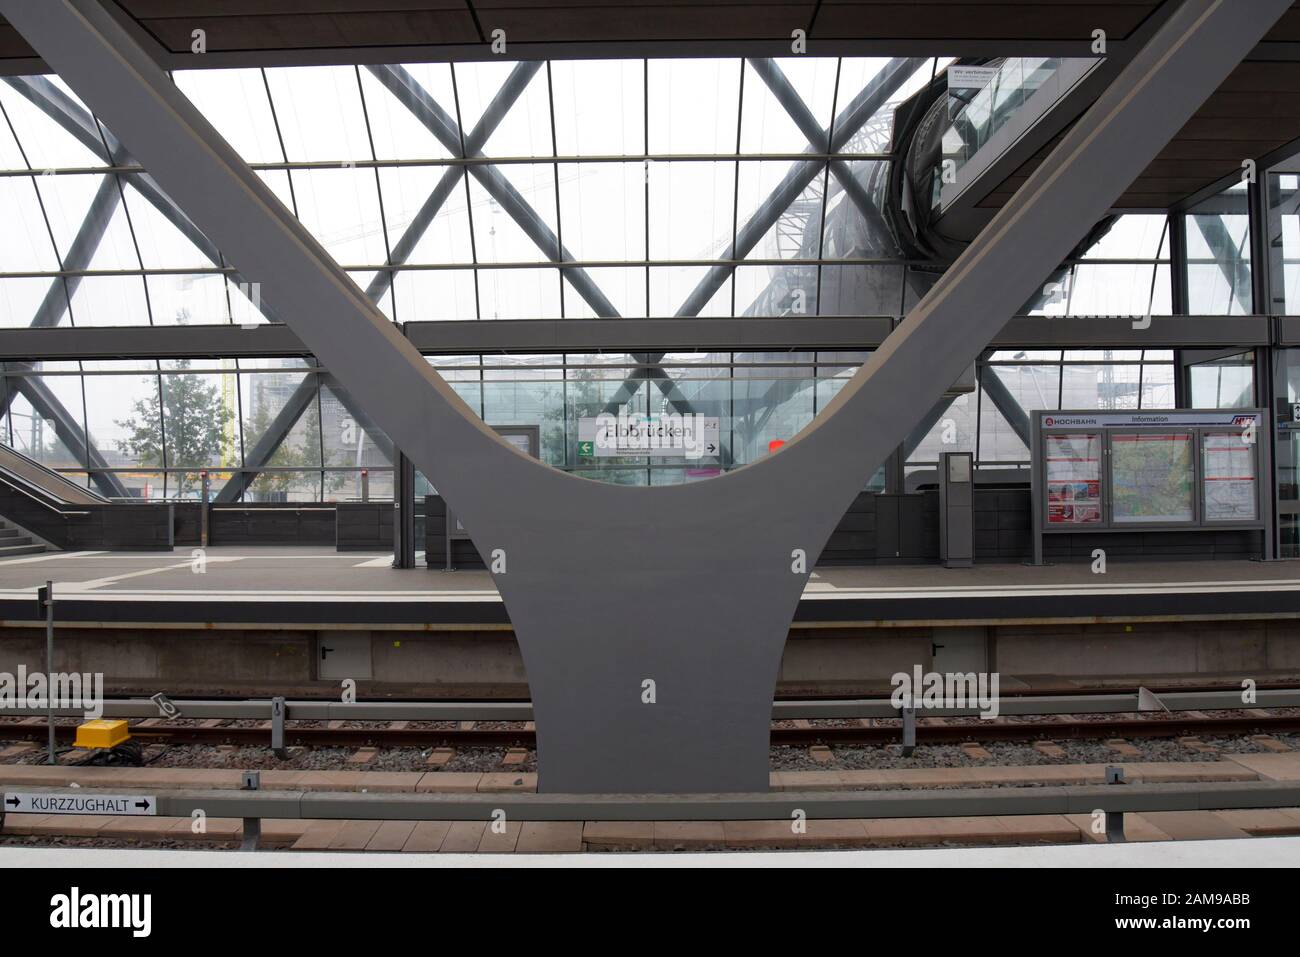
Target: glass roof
point(450, 191)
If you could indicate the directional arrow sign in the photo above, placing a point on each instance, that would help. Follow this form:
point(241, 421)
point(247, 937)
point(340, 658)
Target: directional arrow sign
point(667, 435)
point(121, 805)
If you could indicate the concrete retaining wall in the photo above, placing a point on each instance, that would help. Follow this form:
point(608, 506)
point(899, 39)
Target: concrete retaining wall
point(487, 662)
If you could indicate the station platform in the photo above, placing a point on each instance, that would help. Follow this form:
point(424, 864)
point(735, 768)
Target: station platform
point(315, 585)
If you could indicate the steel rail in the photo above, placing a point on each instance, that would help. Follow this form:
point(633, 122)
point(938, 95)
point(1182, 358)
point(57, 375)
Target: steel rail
point(928, 731)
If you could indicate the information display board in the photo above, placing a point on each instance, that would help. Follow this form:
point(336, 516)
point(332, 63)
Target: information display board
point(1109, 471)
point(1072, 468)
point(1231, 480)
point(1152, 477)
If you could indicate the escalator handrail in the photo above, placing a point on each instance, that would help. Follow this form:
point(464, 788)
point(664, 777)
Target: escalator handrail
point(23, 487)
point(58, 479)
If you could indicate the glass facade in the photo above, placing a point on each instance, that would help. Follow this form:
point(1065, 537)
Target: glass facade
point(1125, 272)
point(991, 421)
point(573, 189)
point(1284, 241)
point(1217, 232)
point(498, 191)
point(1287, 454)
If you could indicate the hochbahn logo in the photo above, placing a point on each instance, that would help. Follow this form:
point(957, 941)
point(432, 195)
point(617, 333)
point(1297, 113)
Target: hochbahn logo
point(76, 910)
point(932, 689)
point(79, 691)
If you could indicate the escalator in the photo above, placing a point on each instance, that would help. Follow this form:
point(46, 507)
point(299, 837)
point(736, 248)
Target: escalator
point(19, 471)
point(37, 504)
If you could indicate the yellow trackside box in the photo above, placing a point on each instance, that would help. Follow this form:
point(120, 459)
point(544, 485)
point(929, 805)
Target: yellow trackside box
point(101, 733)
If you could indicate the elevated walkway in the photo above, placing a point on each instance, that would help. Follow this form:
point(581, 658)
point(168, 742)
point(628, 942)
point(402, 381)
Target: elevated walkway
point(972, 139)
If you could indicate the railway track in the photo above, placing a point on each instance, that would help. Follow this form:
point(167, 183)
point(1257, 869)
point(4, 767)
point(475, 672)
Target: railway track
point(811, 693)
point(865, 731)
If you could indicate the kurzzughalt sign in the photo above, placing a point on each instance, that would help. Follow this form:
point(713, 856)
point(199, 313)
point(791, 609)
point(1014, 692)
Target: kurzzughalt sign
point(118, 805)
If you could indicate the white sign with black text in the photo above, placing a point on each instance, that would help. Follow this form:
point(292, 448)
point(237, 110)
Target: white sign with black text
point(970, 77)
point(666, 435)
point(120, 805)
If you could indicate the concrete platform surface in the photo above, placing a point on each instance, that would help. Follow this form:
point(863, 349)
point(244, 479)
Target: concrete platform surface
point(307, 584)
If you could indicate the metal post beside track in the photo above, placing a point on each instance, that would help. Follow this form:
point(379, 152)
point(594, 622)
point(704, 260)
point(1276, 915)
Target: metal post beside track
point(203, 508)
point(252, 825)
point(1115, 819)
point(909, 730)
point(45, 596)
point(277, 728)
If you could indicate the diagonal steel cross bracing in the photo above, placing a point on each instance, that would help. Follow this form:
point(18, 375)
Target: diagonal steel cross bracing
point(1227, 256)
point(851, 119)
point(57, 105)
point(652, 620)
point(305, 393)
point(81, 251)
point(61, 108)
point(50, 313)
point(299, 401)
point(438, 121)
point(415, 98)
point(443, 126)
point(70, 433)
point(402, 85)
point(54, 305)
point(772, 75)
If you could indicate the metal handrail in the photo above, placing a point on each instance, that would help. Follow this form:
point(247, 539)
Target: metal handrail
point(253, 804)
point(309, 710)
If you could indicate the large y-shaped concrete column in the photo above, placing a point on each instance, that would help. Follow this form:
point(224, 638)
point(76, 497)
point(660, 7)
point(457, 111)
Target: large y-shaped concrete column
point(689, 587)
